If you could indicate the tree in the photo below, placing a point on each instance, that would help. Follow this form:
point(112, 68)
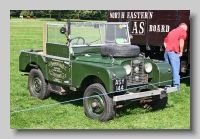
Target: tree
point(93, 15)
point(50, 14)
point(31, 13)
point(60, 14)
point(25, 13)
point(63, 14)
point(39, 13)
point(15, 13)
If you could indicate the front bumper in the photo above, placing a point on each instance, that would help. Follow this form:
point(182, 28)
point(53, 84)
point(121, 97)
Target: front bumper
point(139, 95)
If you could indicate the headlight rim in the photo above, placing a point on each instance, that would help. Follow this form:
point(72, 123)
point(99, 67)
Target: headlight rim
point(128, 67)
point(151, 67)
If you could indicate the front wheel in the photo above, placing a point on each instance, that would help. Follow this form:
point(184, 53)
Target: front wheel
point(37, 84)
point(97, 104)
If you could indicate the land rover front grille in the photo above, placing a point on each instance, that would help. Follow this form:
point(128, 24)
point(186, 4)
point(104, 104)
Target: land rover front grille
point(137, 74)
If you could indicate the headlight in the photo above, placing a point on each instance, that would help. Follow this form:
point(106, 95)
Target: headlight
point(148, 67)
point(128, 69)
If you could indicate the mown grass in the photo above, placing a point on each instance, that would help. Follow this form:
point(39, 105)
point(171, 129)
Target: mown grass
point(50, 114)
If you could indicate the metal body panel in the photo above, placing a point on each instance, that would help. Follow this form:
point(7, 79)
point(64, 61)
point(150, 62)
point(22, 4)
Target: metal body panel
point(58, 70)
point(32, 59)
point(81, 70)
point(24, 59)
point(59, 50)
point(162, 74)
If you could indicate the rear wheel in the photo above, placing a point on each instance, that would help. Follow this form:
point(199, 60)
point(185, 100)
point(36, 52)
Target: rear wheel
point(37, 84)
point(97, 104)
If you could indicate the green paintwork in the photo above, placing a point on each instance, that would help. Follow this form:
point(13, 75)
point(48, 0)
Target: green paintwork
point(97, 58)
point(87, 49)
point(91, 65)
point(24, 60)
point(57, 70)
point(164, 77)
point(81, 70)
point(160, 73)
point(60, 50)
point(32, 59)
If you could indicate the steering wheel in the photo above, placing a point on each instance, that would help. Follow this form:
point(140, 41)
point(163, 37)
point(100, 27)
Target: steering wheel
point(77, 40)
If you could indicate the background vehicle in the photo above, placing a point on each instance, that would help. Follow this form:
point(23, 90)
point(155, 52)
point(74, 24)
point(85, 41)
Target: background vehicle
point(98, 60)
point(148, 29)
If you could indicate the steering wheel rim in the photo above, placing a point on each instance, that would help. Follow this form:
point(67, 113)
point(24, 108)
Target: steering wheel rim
point(78, 39)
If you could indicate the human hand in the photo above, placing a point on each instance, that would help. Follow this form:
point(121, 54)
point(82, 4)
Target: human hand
point(165, 45)
point(180, 54)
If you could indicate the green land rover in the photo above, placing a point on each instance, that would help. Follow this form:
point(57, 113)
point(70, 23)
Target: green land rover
point(96, 58)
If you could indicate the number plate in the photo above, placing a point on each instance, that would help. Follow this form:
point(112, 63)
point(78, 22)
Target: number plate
point(119, 84)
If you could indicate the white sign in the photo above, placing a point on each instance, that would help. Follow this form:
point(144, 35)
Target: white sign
point(140, 25)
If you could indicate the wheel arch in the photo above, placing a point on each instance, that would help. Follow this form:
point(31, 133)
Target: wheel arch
point(91, 79)
point(34, 65)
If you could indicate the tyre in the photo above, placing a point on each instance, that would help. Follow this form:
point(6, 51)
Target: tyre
point(157, 103)
point(37, 84)
point(120, 50)
point(97, 104)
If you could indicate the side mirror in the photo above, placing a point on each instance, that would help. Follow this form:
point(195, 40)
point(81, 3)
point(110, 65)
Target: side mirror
point(62, 30)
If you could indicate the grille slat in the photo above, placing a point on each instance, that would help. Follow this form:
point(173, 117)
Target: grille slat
point(137, 78)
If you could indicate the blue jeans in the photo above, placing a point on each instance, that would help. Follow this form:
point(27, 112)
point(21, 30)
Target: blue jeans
point(174, 60)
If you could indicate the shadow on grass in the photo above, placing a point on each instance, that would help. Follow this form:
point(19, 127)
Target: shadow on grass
point(132, 108)
point(75, 98)
point(186, 81)
point(127, 110)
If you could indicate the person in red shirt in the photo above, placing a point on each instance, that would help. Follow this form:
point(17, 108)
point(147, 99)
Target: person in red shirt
point(174, 43)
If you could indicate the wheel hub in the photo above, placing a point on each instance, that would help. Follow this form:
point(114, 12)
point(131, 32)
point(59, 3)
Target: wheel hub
point(96, 104)
point(37, 85)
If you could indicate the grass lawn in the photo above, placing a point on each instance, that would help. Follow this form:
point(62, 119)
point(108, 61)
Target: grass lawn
point(27, 112)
